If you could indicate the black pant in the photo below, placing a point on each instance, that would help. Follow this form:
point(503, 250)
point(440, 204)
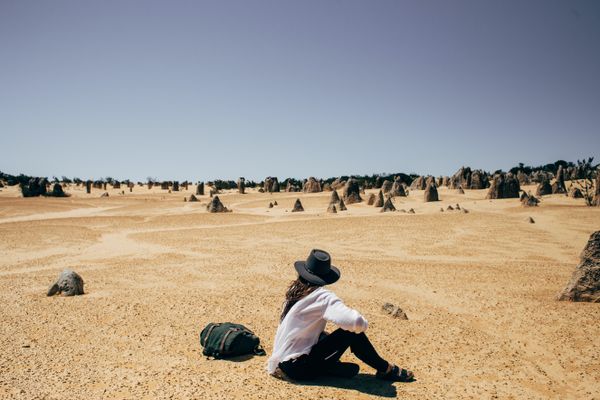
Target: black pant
point(328, 351)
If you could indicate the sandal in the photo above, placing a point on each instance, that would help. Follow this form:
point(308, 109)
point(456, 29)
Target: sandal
point(396, 375)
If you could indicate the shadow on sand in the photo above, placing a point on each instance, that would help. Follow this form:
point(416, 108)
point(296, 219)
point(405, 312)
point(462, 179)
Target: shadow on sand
point(364, 383)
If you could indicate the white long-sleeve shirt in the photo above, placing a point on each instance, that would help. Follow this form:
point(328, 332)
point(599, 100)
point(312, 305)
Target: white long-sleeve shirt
point(300, 329)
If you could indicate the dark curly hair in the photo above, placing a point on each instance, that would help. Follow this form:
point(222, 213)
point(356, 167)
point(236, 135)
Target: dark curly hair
point(297, 290)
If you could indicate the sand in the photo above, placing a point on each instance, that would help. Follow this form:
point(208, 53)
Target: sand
point(479, 291)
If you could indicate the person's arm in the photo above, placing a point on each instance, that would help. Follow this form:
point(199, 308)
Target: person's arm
point(343, 316)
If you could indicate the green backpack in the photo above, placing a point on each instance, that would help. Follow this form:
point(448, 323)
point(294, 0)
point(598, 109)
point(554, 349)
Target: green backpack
point(221, 340)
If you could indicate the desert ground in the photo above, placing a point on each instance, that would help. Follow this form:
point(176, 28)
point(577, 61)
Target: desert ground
point(478, 288)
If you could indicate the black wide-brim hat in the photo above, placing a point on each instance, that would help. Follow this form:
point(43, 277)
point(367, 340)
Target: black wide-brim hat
point(317, 268)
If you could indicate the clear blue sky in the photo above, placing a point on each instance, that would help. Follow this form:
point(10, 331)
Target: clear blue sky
point(202, 90)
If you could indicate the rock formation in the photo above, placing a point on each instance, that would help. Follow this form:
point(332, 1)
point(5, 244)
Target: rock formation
point(388, 205)
point(342, 205)
point(386, 186)
point(529, 200)
point(419, 183)
point(530, 220)
point(585, 281)
point(379, 202)
point(431, 193)
point(88, 187)
point(523, 178)
point(559, 184)
point(334, 198)
point(504, 186)
point(575, 193)
point(297, 206)
point(371, 199)
point(311, 186)
point(397, 188)
point(331, 208)
point(271, 185)
point(270, 205)
point(215, 206)
point(351, 192)
point(479, 180)
point(192, 198)
point(543, 188)
point(596, 198)
point(460, 190)
point(68, 283)
point(462, 178)
point(200, 189)
point(176, 186)
point(241, 185)
point(57, 191)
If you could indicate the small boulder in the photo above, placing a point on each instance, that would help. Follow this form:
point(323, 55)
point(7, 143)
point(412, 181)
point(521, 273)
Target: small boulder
point(215, 206)
point(192, 198)
point(585, 281)
point(530, 220)
point(69, 283)
point(394, 311)
point(297, 206)
point(270, 205)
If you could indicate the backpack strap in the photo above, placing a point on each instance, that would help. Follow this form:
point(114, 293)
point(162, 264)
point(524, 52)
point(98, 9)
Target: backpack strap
point(259, 351)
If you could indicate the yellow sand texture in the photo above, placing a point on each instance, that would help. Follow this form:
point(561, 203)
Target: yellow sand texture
point(478, 288)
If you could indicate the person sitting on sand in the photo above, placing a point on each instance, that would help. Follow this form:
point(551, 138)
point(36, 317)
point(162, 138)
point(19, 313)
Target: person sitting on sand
point(302, 351)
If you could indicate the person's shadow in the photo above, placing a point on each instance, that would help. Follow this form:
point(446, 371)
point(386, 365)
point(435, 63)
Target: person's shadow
point(365, 383)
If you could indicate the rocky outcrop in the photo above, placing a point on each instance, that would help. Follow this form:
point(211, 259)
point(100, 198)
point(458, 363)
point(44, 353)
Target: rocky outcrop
point(334, 198)
point(431, 193)
point(379, 201)
point(200, 189)
point(351, 192)
point(69, 283)
point(543, 188)
point(504, 186)
point(585, 281)
point(57, 191)
point(386, 186)
point(419, 183)
point(461, 178)
point(388, 205)
point(397, 188)
point(479, 180)
point(596, 198)
point(558, 187)
point(311, 186)
point(297, 206)
point(215, 206)
point(371, 199)
point(575, 193)
point(241, 185)
point(271, 185)
point(529, 200)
